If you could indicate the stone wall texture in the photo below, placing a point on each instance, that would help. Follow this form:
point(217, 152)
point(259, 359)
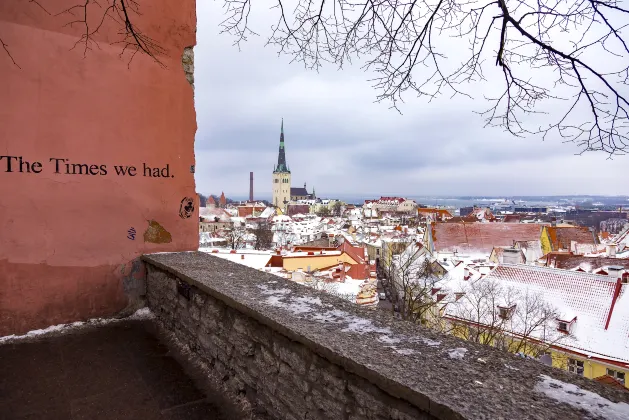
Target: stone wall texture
point(278, 377)
point(282, 351)
point(70, 242)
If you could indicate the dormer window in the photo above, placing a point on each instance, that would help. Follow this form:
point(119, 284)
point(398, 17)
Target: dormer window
point(505, 312)
point(565, 326)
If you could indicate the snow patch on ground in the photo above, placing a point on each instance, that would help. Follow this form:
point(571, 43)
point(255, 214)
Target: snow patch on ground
point(405, 352)
point(511, 367)
point(573, 395)
point(431, 343)
point(267, 291)
point(313, 307)
point(388, 340)
point(362, 325)
point(143, 313)
point(310, 300)
point(457, 353)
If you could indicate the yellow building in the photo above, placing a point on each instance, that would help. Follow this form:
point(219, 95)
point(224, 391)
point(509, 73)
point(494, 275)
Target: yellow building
point(317, 258)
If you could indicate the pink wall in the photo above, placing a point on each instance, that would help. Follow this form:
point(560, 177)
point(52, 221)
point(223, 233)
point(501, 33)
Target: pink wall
point(66, 253)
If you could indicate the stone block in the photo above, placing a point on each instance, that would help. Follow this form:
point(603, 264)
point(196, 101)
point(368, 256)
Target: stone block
point(213, 308)
point(331, 407)
point(199, 298)
point(286, 375)
point(292, 354)
point(195, 312)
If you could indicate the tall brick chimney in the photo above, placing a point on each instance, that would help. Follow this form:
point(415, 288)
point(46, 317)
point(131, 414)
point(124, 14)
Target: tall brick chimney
point(250, 186)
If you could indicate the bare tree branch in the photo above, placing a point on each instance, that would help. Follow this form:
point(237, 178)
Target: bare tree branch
point(564, 65)
point(6, 49)
point(120, 12)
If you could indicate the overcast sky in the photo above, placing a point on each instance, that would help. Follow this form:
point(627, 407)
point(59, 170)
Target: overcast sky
point(341, 142)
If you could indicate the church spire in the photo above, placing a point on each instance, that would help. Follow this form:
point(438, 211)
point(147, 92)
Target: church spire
point(281, 157)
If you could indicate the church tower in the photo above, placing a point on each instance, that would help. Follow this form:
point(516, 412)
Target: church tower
point(281, 177)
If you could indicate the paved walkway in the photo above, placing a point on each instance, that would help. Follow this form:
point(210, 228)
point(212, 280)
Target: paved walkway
point(117, 371)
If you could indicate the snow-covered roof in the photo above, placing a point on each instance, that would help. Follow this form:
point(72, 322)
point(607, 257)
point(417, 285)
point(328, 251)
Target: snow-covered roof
point(268, 212)
point(598, 302)
point(253, 259)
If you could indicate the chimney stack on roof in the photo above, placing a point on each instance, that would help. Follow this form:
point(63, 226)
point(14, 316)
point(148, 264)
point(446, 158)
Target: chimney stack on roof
point(611, 250)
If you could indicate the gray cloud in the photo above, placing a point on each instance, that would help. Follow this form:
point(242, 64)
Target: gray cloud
point(342, 142)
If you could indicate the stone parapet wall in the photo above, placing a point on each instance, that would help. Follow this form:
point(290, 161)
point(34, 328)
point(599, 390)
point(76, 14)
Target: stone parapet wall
point(287, 352)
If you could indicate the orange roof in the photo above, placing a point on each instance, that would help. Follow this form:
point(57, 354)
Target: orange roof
point(512, 218)
point(355, 252)
point(561, 237)
point(440, 212)
point(608, 380)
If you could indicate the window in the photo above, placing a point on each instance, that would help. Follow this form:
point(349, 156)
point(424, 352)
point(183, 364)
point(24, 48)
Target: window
point(504, 312)
point(575, 366)
point(563, 326)
point(620, 376)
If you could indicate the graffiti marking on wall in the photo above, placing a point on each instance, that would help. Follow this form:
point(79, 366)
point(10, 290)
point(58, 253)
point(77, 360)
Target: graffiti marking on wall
point(186, 208)
point(131, 234)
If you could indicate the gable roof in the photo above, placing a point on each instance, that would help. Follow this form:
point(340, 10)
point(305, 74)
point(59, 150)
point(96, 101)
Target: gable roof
point(569, 261)
point(593, 299)
point(355, 252)
point(481, 237)
point(299, 191)
point(512, 218)
point(561, 237)
point(439, 212)
point(211, 213)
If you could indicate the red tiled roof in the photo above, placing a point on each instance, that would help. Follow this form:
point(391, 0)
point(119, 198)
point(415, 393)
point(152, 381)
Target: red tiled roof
point(300, 248)
point(570, 261)
point(608, 380)
point(244, 211)
point(358, 271)
point(562, 236)
point(440, 212)
point(481, 237)
point(512, 218)
point(293, 209)
point(355, 252)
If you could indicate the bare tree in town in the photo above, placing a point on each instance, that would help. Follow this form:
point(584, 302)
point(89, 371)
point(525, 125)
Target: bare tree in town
point(236, 236)
point(324, 211)
point(569, 59)
point(490, 313)
point(264, 236)
point(408, 281)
